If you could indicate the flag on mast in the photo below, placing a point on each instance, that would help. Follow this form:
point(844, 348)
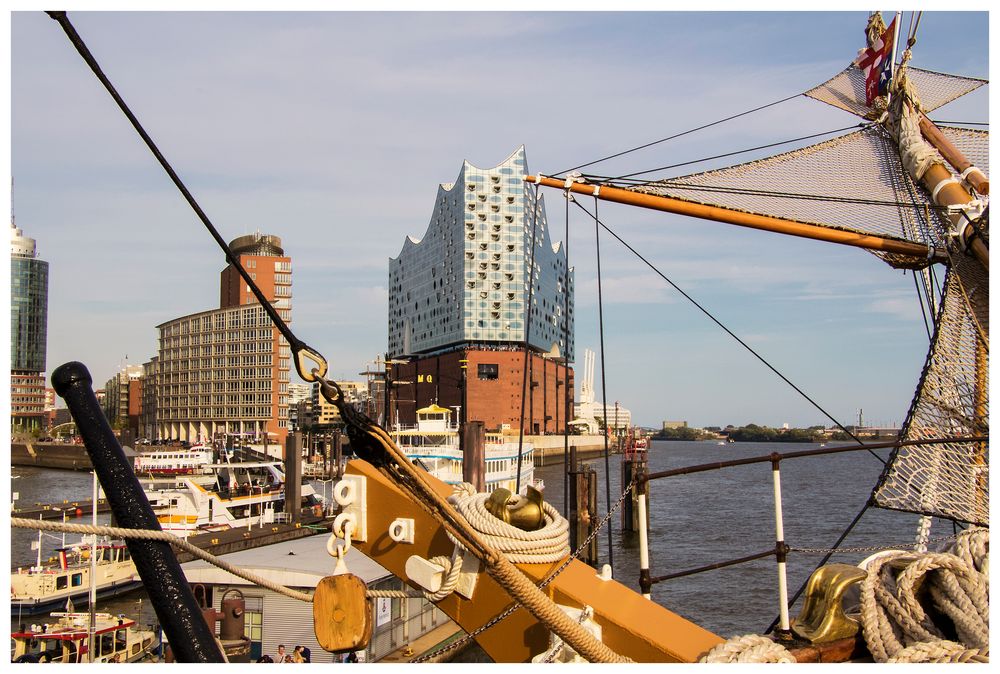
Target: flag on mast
point(876, 63)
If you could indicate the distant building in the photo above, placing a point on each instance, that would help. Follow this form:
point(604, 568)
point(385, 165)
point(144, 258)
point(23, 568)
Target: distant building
point(594, 415)
point(147, 410)
point(324, 414)
point(297, 393)
point(461, 293)
point(226, 370)
point(676, 424)
point(123, 398)
point(29, 297)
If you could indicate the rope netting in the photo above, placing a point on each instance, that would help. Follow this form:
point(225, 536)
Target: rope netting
point(846, 90)
point(854, 183)
point(949, 480)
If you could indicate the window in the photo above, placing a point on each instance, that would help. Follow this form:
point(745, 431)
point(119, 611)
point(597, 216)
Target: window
point(489, 371)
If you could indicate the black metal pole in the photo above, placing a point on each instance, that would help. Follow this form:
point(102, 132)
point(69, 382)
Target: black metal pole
point(164, 582)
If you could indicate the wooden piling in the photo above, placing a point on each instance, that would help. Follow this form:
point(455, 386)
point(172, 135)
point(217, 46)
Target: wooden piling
point(473, 440)
point(633, 466)
point(587, 518)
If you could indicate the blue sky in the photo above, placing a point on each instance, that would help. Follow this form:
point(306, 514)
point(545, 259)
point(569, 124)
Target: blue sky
point(333, 130)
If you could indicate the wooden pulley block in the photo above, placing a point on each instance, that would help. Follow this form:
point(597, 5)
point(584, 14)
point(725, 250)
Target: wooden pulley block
point(342, 620)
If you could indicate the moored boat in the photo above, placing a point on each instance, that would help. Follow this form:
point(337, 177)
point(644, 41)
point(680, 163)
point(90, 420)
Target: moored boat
point(115, 639)
point(173, 461)
point(43, 588)
point(241, 495)
point(434, 445)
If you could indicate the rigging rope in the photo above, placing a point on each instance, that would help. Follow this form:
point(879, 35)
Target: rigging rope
point(734, 153)
point(527, 337)
point(682, 133)
point(299, 348)
point(604, 385)
point(728, 331)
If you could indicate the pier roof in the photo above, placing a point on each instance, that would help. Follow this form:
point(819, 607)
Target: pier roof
point(299, 563)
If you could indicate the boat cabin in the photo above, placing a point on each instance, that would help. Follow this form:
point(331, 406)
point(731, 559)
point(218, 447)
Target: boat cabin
point(68, 640)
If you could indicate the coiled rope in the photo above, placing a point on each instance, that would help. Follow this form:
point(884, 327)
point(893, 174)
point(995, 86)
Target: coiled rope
point(748, 648)
point(895, 623)
point(548, 544)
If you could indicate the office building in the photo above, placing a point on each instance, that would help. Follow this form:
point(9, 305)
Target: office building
point(29, 291)
point(225, 371)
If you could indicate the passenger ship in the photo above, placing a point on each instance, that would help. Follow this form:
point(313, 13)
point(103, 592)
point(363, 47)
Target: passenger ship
point(242, 495)
point(434, 446)
point(173, 461)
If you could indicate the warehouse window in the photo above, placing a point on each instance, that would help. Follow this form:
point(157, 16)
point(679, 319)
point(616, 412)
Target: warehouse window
point(489, 371)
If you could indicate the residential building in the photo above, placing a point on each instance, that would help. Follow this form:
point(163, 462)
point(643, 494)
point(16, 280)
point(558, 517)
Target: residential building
point(297, 394)
point(147, 411)
point(460, 295)
point(123, 398)
point(29, 292)
point(225, 371)
point(324, 414)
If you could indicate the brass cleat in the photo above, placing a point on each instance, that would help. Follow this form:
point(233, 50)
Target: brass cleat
point(525, 513)
point(822, 618)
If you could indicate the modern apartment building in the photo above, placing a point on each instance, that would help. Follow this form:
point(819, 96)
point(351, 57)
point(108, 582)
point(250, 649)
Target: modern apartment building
point(29, 292)
point(465, 288)
point(123, 398)
point(225, 371)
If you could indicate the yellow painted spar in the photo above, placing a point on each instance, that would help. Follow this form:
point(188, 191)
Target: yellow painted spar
point(632, 625)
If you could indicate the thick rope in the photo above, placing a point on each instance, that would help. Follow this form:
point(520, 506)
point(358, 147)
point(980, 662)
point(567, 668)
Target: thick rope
point(548, 544)
point(150, 535)
point(497, 566)
point(894, 613)
point(748, 648)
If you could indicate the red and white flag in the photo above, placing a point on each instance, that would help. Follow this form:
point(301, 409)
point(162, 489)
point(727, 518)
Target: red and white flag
point(876, 63)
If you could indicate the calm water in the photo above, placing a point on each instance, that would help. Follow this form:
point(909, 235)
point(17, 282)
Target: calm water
point(695, 520)
point(721, 515)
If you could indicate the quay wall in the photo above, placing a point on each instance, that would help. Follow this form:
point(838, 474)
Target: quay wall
point(50, 455)
point(549, 448)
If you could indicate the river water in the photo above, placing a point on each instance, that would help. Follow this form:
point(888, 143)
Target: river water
point(695, 520)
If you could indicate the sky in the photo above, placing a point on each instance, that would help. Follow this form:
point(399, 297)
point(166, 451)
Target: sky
point(332, 130)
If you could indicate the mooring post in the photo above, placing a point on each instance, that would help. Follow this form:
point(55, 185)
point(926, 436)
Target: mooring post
point(176, 607)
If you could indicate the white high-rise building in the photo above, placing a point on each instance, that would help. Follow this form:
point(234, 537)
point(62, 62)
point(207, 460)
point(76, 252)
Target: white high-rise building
point(466, 282)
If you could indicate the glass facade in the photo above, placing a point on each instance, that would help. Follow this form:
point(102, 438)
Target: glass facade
point(467, 280)
point(29, 292)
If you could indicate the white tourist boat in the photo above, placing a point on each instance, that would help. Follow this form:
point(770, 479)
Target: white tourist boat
point(42, 588)
point(68, 639)
point(434, 446)
point(242, 495)
point(174, 461)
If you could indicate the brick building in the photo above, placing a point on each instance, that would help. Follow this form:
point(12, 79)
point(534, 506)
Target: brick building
point(462, 292)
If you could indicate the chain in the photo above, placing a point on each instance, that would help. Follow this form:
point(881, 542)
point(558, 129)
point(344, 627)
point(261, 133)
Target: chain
point(513, 607)
point(873, 548)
